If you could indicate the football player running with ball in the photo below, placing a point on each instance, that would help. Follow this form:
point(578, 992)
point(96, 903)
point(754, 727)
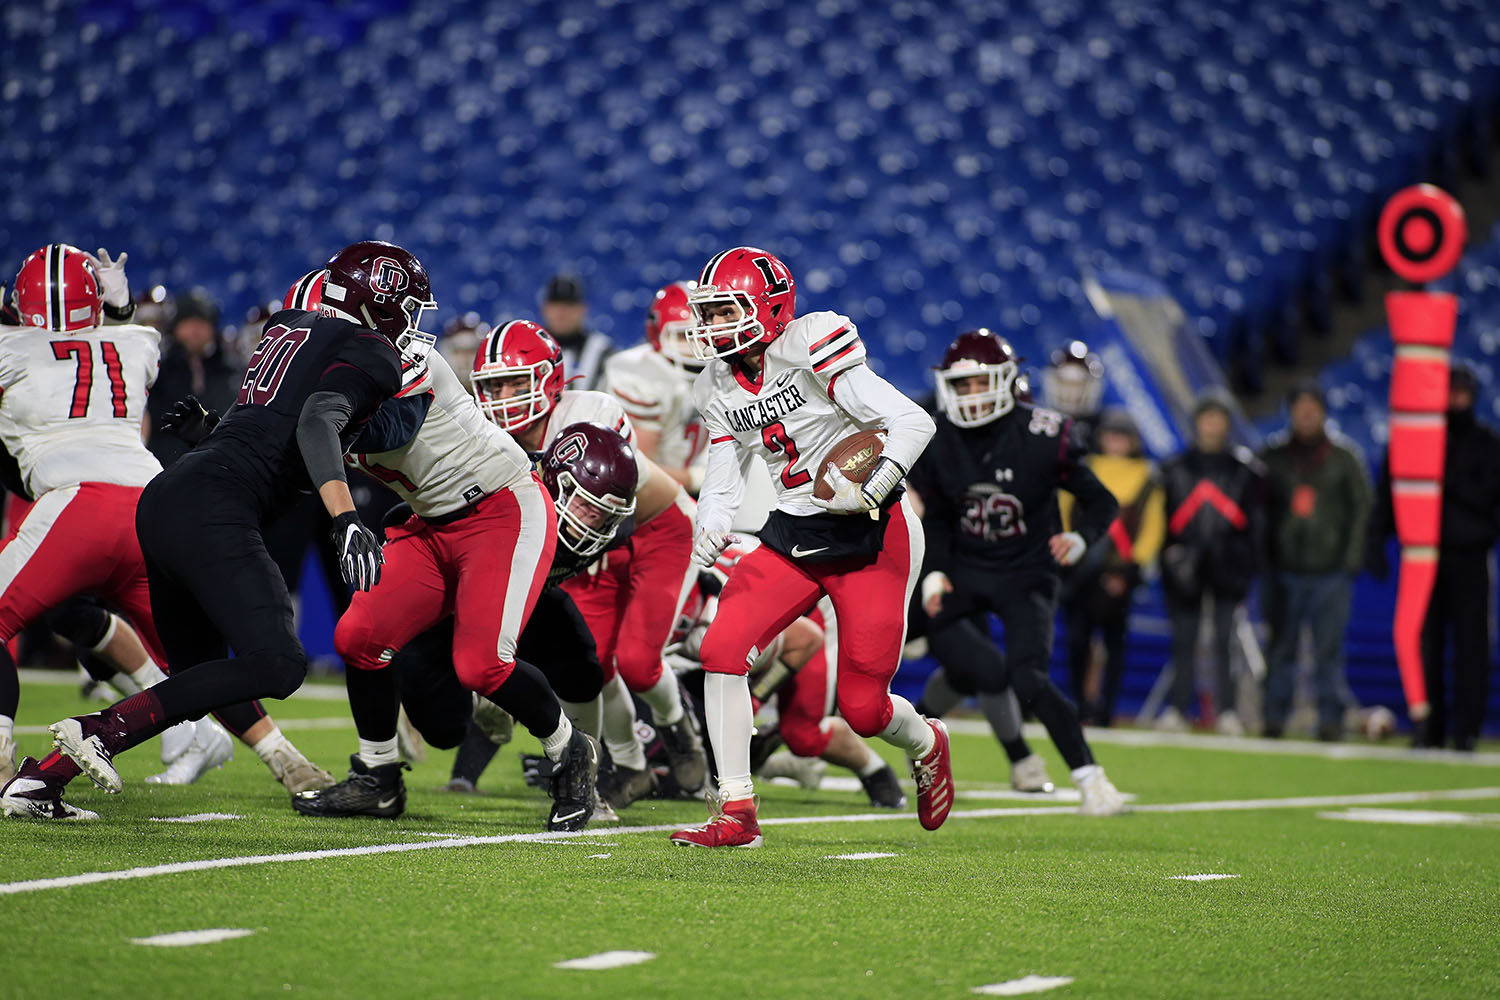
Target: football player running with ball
point(790, 389)
point(989, 484)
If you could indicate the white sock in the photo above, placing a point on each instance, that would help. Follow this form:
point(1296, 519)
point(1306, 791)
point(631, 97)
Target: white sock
point(147, 674)
point(7, 727)
point(619, 727)
point(908, 730)
point(1086, 773)
point(554, 744)
point(665, 699)
point(731, 720)
point(268, 744)
point(125, 684)
point(373, 753)
point(586, 715)
point(872, 764)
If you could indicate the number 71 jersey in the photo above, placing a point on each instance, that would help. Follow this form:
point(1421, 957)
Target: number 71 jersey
point(787, 415)
point(71, 404)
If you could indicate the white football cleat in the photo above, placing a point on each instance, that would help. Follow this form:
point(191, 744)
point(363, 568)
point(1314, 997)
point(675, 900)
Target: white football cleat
point(1170, 721)
point(1029, 774)
point(176, 741)
point(493, 721)
point(805, 771)
point(7, 759)
point(1098, 797)
point(211, 748)
point(30, 796)
point(296, 772)
point(1228, 724)
point(603, 811)
point(409, 742)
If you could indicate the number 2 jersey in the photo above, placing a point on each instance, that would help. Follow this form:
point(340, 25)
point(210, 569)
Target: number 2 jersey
point(990, 492)
point(813, 390)
point(255, 446)
point(71, 404)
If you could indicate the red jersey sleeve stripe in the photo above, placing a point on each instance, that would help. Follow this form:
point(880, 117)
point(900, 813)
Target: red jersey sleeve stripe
point(627, 398)
point(832, 336)
point(828, 361)
point(721, 440)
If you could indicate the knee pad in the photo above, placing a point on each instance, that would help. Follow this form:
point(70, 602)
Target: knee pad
point(804, 737)
point(285, 672)
point(479, 673)
point(354, 640)
point(721, 653)
point(639, 664)
point(580, 684)
point(867, 708)
point(82, 622)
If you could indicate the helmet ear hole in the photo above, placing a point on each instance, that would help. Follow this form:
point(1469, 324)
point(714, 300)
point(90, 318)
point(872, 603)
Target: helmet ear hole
point(776, 309)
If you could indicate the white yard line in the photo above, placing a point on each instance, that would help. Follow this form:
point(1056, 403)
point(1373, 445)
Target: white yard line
point(1026, 984)
point(293, 725)
point(1414, 817)
point(196, 818)
point(606, 960)
point(858, 856)
point(1212, 805)
point(181, 939)
point(1205, 877)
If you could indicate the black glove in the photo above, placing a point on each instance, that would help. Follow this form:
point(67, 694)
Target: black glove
point(360, 558)
point(189, 420)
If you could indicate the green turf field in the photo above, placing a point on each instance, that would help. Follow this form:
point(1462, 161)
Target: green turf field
point(1320, 907)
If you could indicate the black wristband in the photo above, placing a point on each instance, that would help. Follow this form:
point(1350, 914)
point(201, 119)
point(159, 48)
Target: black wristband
point(121, 313)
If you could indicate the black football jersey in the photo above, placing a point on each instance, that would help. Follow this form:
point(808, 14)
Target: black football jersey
point(300, 353)
point(991, 491)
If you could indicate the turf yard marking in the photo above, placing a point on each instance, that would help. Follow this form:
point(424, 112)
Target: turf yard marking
point(1414, 817)
point(1026, 984)
point(1211, 805)
point(607, 960)
point(180, 939)
point(330, 722)
point(596, 855)
point(860, 856)
point(1206, 877)
point(842, 783)
point(195, 818)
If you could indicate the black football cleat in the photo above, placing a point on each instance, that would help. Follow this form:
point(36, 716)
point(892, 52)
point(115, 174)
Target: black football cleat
point(573, 784)
point(685, 752)
point(368, 791)
point(537, 770)
point(884, 789)
point(623, 786)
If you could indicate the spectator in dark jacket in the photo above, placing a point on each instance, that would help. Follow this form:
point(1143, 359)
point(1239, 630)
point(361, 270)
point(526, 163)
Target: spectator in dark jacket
point(193, 363)
point(1463, 596)
point(1215, 493)
point(1319, 506)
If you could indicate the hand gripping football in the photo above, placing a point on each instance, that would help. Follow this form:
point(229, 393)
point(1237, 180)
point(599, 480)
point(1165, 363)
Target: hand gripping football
point(855, 456)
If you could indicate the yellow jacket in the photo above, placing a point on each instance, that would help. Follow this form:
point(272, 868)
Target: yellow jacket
point(1143, 508)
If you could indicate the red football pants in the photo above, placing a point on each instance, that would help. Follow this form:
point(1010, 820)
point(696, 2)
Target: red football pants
point(77, 540)
point(631, 603)
point(485, 569)
point(767, 591)
point(803, 704)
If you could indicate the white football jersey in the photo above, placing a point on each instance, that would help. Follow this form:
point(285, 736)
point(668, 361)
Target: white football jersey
point(786, 417)
point(658, 396)
point(71, 404)
point(458, 455)
point(602, 410)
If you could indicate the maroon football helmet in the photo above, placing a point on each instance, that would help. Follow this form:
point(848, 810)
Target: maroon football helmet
point(991, 363)
point(1075, 380)
point(515, 350)
point(591, 473)
point(755, 281)
point(56, 289)
point(384, 287)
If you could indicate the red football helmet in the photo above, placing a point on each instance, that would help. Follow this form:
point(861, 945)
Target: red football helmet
point(667, 324)
point(519, 349)
point(1075, 380)
point(591, 473)
point(307, 293)
point(979, 354)
point(758, 284)
point(56, 290)
point(384, 287)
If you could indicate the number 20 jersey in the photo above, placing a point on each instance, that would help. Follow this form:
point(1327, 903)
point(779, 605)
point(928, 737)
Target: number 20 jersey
point(72, 404)
point(256, 442)
point(787, 416)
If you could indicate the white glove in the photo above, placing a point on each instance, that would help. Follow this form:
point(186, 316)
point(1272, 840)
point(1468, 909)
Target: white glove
point(847, 494)
point(1076, 546)
point(708, 545)
point(935, 584)
point(114, 287)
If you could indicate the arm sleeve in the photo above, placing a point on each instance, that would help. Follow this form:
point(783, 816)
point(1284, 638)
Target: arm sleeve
point(393, 425)
point(874, 402)
point(343, 394)
point(723, 486)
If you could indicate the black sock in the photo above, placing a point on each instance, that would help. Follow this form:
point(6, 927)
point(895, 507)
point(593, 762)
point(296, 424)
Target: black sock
point(1016, 749)
point(373, 701)
point(526, 696)
point(10, 683)
point(474, 755)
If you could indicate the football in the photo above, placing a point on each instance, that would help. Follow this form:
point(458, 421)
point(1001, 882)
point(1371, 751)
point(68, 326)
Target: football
point(854, 456)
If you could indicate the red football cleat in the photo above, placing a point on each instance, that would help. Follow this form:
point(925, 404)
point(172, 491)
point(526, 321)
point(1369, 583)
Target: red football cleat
point(733, 825)
point(934, 777)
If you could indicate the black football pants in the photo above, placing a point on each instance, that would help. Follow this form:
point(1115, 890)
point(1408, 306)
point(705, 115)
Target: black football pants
point(213, 588)
point(959, 638)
